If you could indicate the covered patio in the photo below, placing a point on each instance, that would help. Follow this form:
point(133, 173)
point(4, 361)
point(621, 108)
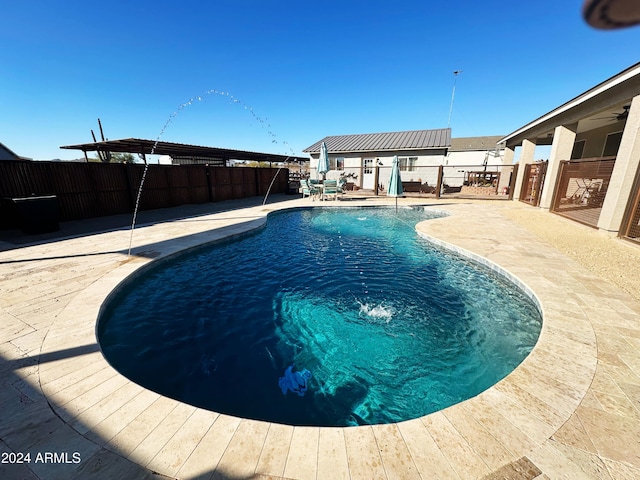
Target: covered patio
point(593, 169)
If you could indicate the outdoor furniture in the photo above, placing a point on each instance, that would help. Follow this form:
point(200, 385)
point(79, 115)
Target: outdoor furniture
point(309, 190)
point(316, 186)
point(330, 187)
point(305, 188)
point(413, 187)
point(35, 214)
point(293, 187)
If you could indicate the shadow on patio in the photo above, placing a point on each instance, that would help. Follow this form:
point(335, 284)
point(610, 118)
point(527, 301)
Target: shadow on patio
point(30, 424)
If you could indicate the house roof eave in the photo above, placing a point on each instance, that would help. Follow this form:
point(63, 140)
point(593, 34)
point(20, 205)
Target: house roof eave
point(602, 88)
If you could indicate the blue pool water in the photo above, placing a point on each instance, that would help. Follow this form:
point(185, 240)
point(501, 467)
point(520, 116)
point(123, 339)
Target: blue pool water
point(389, 327)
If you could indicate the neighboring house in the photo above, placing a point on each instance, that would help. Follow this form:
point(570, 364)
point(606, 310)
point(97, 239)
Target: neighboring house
point(359, 155)
point(476, 151)
point(593, 173)
point(6, 154)
point(477, 162)
point(420, 153)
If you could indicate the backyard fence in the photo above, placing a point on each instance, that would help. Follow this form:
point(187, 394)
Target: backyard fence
point(86, 190)
point(436, 180)
point(581, 188)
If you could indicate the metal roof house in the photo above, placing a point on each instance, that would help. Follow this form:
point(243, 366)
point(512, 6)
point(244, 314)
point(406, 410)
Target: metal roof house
point(367, 157)
point(385, 142)
point(419, 151)
point(593, 173)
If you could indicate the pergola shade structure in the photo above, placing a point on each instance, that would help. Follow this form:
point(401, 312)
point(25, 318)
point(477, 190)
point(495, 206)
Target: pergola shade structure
point(180, 152)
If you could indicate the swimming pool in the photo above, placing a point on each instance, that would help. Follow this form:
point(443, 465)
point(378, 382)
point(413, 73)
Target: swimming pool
point(389, 327)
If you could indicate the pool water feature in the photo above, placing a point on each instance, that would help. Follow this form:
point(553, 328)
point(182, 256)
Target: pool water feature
point(171, 118)
point(390, 327)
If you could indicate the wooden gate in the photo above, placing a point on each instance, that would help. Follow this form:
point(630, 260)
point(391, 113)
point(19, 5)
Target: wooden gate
point(534, 174)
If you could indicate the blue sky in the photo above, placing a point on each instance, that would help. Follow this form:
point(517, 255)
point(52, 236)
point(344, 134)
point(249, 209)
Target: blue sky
point(298, 70)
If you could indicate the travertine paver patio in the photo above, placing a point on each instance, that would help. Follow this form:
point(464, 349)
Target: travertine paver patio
point(571, 410)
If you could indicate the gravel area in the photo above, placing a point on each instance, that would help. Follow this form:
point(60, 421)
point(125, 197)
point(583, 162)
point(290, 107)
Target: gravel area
point(614, 259)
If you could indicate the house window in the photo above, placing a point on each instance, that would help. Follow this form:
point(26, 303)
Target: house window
point(336, 163)
point(612, 144)
point(368, 165)
point(578, 150)
point(407, 164)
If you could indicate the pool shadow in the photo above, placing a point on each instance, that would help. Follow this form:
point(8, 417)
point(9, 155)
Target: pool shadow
point(343, 401)
point(14, 238)
point(30, 424)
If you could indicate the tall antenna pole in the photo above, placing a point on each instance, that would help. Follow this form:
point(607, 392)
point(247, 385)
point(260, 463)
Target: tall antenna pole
point(453, 93)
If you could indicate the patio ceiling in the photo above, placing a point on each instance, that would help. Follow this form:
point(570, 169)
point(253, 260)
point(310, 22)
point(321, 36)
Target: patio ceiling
point(604, 117)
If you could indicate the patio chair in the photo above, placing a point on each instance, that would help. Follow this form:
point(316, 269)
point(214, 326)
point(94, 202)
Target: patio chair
point(330, 188)
point(308, 190)
point(304, 188)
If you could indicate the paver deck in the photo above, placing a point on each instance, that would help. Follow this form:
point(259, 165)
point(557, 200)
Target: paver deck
point(570, 410)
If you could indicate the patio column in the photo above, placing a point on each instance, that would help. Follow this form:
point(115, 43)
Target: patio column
point(507, 166)
point(526, 157)
point(564, 136)
point(624, 173)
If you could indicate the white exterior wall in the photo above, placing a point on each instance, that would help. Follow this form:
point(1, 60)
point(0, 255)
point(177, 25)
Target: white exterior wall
point(425, 167)
point(424, 170)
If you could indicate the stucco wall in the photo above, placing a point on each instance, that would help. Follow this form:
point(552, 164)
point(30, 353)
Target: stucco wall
point(425, 170)
point(595, 139)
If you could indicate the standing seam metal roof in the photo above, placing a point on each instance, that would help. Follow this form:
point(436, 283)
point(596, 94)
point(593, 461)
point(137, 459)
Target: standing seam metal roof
point(138, 145)
point(369, 142)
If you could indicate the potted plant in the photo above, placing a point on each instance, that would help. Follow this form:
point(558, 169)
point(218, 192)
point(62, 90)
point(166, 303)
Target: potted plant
point(349, 179)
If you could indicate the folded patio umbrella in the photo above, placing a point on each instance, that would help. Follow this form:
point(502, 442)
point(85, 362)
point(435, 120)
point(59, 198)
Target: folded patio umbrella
point(395, 182)
point(323, 160)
